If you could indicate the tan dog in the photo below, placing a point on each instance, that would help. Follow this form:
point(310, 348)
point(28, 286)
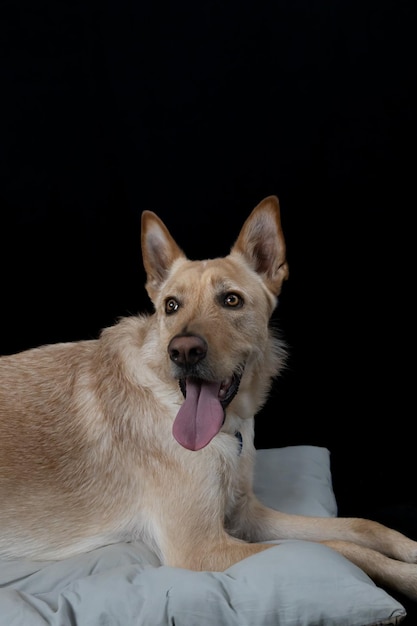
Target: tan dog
point(98, 444)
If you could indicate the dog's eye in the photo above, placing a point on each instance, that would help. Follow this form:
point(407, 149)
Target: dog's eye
point(232, 300)
point(171, 305)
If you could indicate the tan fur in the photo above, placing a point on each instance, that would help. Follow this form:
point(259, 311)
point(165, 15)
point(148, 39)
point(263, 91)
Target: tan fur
point(87, 454)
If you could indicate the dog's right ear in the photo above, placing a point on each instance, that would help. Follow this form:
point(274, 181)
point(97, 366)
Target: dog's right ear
point(159, 251)
point(261, 241)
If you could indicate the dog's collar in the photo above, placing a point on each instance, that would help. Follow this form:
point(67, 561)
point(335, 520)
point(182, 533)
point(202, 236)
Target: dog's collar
point(239, 437)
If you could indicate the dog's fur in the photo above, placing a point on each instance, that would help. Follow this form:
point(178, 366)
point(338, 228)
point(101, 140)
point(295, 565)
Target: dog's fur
point(92, 451)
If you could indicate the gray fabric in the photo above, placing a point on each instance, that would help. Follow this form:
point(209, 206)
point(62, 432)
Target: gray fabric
point(296, 479)
point(296, 583)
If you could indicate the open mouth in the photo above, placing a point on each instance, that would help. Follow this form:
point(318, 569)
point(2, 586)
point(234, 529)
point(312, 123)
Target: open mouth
point(227, 390)
point(202, 413)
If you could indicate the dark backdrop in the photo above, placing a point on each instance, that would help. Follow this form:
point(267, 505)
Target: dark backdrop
point(198, 110)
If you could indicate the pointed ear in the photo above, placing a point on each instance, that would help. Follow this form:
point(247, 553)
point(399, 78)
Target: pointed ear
point(261, 241)
point(159, 251)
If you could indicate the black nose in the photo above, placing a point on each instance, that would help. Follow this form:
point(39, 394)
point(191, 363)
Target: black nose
point(187, 349)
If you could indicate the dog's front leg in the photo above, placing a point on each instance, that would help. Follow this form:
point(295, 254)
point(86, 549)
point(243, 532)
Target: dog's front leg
point(209, 553)
point(386, 555)
point(192, 533)
point(260, 523)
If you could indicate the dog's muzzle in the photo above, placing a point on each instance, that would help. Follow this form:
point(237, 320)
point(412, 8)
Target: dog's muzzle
point(202, 413)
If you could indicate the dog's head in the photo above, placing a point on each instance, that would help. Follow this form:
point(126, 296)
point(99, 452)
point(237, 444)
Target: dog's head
point(213, 317)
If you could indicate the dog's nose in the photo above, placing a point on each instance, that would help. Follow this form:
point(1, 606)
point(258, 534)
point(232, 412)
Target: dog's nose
point(187, 349)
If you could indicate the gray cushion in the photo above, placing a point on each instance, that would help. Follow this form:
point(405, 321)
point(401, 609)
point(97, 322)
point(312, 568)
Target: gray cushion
point(298, 583)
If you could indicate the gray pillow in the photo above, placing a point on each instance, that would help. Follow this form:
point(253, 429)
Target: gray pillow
point(298, 583)
point(296, 479)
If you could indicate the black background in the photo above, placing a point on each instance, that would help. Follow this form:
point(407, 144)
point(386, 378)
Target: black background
point(198, 110)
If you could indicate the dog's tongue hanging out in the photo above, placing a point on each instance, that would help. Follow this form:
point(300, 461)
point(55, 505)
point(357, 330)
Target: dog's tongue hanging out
point(201, 415)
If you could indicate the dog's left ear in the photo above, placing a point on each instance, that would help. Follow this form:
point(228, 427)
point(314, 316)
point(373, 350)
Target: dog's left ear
point(159, 251)
point(261, 241)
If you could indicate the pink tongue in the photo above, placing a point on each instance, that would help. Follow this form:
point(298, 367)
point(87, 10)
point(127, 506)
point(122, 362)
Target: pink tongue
point(200, 416)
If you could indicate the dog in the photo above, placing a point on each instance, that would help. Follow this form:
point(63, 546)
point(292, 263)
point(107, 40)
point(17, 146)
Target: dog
point(147, 432)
